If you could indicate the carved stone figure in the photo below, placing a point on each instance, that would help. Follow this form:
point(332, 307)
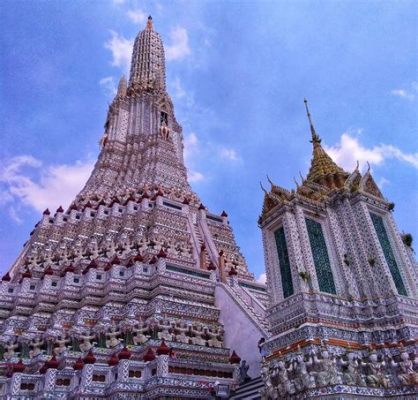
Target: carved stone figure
point(279, 372)
point(181, 336)
point(304, 380)
point(113, 340)
point(36, 344)
point(328, 374)
point(61, 347)
point(139, 334)
point(243, 372)
point(214, 338)
point(407, 375)
point(86, 343)
point(376, 372)
point(353, 375)
point(164, 331)
point(197, 338)
point(269, 392)
point(11, 348)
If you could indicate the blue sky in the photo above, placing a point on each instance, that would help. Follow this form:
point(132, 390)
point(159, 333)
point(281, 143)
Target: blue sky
point(237, 72)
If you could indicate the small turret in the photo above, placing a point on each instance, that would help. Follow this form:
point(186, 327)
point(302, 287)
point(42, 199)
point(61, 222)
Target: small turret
point(122, 87)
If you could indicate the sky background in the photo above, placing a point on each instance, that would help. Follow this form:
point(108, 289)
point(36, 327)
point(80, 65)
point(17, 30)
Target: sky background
point(237, 72)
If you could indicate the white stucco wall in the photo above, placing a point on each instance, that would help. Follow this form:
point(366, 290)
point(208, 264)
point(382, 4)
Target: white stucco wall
point(241, 333)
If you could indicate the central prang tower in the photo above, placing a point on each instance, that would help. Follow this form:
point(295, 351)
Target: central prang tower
point(137, 291)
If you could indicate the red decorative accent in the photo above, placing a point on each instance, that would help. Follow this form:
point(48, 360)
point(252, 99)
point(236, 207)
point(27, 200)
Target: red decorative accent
point(27, 274)
point(124, 354)
point(6, 278)
point(153, 260)
point(49, 271)
point(18, 367)
point(145, 195)
point(186, 201)
point(93, 264)
point(233, 272)
point(211, 266)
point(149, 355)
point(162, 254)
point(163, 349)
point(202, 207)
point(131, 263)
point(116, 260)
point(221, 253)
point(138, 258)
point(89, 358)
point(79, 364)
point(108, 267)
point(234, 359)
point(203, 247)
point(47, 212)
point(113, 360)
point(224, 214)
point(88, 205)
point(60, 209)
point(69, 268)
point(52, 363)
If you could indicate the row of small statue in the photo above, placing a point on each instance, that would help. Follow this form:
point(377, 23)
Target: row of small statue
point(321, 368)
point(109, 250)
point(113, 337)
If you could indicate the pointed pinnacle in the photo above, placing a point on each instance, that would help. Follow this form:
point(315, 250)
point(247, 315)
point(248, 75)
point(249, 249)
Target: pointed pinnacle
point(315, 137)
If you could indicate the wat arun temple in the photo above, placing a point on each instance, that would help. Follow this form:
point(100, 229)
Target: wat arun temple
point(138, 291)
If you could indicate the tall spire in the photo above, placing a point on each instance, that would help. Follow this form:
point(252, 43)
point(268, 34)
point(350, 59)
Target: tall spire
point(149, 22)
point(315, 137)
point(148, 60)
point(122, 87)
point(323, 169)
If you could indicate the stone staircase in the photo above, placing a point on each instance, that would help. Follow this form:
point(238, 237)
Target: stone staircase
point(249, 390)
point(253, 307)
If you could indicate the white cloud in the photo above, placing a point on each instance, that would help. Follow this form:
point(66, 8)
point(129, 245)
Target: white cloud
point(262, 278)
point(121, 49)
point(191, 144)
point(195, 176)
point(228, 154)
point(191, 151)
point(178, 91)
point(179, 47)
point(349, 150)
point(138, 16)
point(109, 86)
point(408, 94)
point(24, 180)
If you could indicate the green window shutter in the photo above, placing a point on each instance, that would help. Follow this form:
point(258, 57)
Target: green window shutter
point(382, 235)
point(320, 256)
point(283, 254)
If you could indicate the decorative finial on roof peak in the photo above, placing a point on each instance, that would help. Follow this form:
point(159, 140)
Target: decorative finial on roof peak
point(315, 138)
point(149, 22)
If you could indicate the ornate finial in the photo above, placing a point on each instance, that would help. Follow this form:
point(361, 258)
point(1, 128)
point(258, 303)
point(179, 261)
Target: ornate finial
point(315, 137)
point(262, 188)
point(270, 181)
point(149, 22)
point(301, 177)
